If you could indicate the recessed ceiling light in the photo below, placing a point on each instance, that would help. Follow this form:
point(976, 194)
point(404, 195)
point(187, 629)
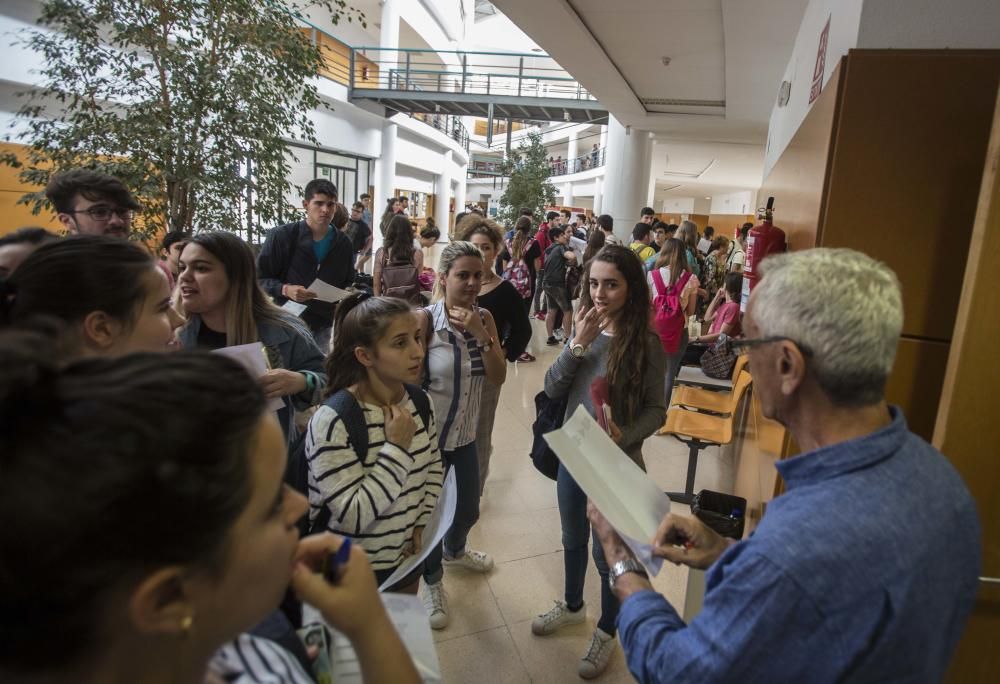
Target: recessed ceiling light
point(708, 198)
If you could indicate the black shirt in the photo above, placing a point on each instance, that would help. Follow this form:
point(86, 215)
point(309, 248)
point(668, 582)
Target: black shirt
point(358, 232)
point(511, 317)
point(209, 339)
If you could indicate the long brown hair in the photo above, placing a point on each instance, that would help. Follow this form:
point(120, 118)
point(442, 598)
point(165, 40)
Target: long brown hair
point(361, 321)
point(522, 234)
point(246, 303)
point(673, 255)
point(398, 247)
point(627, 357)
point(595, 244)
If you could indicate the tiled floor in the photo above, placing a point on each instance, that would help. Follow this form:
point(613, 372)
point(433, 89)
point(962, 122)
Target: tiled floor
point(489, 639)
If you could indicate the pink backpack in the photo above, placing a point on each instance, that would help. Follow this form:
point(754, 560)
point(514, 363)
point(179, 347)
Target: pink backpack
point(668, 314)
point(517, 273)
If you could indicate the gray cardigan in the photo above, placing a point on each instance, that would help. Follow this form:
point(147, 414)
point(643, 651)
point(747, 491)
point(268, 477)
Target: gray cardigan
point(570, 376)
point(298, 351)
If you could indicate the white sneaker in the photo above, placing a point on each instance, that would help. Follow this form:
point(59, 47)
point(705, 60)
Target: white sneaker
point(436, 603)
point(476, 561)
point(559, 334)
point(557, 618)
point(602, 645)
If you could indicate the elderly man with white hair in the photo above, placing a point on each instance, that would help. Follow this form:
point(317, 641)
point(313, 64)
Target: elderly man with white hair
point(865, 569)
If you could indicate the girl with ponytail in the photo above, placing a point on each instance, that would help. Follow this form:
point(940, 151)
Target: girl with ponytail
point(385, 498)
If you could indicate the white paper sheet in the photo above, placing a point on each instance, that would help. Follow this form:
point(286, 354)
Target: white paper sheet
point(438, 523)
point(293, 307)
point(409, 616)
point(325, 292)
point(627, 497)
point(252, 357)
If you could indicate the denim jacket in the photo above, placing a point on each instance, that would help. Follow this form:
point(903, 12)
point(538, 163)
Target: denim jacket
point(297, 350)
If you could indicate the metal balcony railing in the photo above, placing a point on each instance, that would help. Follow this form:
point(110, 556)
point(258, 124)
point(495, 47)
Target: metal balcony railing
point(451, 126)
point(557, 167)
point(461, 72)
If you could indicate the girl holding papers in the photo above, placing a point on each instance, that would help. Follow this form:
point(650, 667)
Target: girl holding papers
point(383, 493)
point(225, 307)
point(613, 365)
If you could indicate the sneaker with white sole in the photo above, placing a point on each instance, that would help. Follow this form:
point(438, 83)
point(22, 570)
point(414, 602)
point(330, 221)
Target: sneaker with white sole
point(558, 617)
point(602, 645)
point(436, 603)
point(476, 561)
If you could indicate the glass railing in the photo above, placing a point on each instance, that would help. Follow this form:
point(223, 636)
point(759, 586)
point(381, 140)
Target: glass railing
point(557, 167)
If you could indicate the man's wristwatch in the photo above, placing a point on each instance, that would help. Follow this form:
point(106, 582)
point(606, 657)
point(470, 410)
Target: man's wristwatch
point(625, 566)
point(578, 350)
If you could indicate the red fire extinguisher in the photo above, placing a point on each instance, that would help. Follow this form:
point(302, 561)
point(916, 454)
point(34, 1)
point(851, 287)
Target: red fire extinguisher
point(763, 240)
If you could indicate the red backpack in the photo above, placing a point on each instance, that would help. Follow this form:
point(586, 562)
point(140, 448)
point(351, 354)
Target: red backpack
point(668, 314)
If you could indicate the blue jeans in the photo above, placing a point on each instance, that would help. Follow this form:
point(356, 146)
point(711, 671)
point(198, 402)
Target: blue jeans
point(466, 466)
point(576, 533)
point(673, 366)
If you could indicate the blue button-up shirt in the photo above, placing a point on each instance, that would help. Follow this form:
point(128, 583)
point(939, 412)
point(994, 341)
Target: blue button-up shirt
point(864, 570)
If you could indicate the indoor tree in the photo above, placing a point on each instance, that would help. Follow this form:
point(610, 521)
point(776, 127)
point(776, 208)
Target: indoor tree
point(527, 168)
point(188, 102)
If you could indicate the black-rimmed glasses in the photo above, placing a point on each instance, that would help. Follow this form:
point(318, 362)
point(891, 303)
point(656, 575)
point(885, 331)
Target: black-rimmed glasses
point(104, 214)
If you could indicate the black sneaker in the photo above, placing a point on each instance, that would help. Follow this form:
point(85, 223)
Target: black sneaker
point(552, 342)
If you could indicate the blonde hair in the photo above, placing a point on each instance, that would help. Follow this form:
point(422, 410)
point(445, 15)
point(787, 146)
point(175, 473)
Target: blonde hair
point(449, 255)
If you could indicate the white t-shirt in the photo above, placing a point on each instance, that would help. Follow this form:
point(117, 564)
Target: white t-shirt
point(737, 257)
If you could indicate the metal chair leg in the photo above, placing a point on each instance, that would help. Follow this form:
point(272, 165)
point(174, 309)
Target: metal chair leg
point(694, 448)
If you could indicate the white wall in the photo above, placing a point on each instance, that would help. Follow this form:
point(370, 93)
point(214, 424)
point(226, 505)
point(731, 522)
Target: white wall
point(734, 203)
point(678, 205)
point(845, 16)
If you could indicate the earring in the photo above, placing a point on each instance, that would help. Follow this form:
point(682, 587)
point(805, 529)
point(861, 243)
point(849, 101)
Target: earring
point(186, 624)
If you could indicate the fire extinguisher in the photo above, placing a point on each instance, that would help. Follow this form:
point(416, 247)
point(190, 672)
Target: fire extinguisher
point(763, 240)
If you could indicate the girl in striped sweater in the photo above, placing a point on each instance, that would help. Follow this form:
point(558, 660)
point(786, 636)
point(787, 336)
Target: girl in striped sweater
point(384, 499)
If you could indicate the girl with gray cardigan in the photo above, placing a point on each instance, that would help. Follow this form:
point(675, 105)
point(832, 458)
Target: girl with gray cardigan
point(613, 355)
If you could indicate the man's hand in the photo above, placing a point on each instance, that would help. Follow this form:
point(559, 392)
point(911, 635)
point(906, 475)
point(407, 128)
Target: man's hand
point(688, 541)
point(616, 550)
point(297, 293)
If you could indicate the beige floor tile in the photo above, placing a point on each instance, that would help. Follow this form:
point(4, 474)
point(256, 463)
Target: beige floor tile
point(471, 605)
point(527, 587)
point(509, 536)
point(488, 657)
point(554, 659)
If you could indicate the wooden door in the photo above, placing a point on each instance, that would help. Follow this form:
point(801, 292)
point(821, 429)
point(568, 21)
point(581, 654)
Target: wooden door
point(967, 430)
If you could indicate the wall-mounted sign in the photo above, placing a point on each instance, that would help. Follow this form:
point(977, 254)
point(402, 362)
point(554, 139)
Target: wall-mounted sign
point(820, 70)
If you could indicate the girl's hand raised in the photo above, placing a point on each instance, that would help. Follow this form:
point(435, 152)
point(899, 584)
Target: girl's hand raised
point(399, 426)
point(588, 325)
point(471, 321)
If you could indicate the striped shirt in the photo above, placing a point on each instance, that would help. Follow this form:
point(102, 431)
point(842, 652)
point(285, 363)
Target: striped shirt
point(454, 374)
point(252, 660)
point(378, 501)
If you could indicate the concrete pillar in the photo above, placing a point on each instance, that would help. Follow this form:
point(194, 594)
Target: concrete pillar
point(604, 137)
point(389, 34)
point(626, 177)
point(567, 194)
point(442, 188)
point(571, 153)
point(461, 190)
point(385, 175)
point(598, 196)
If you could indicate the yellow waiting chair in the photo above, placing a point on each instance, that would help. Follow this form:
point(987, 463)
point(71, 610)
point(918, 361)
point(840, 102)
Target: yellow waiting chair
point(700, 430)
point(707, 400)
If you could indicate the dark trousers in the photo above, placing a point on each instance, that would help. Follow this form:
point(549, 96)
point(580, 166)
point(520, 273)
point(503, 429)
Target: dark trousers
point(466, 464)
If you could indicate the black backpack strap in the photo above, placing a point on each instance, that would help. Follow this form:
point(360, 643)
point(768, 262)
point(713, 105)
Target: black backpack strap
point(350, 412)
point(423, 404)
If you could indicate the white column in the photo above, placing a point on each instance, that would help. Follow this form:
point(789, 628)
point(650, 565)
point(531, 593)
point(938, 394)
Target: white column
point(385, 184)
point(604, 136)
point(571, 153)
point(461, 190)
point(442, 188)
point(567, 194)
point(598, 197)
point(626, 177)
point(389, 34)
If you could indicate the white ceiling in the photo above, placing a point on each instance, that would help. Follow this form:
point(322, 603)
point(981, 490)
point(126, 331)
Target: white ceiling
point(712, 101)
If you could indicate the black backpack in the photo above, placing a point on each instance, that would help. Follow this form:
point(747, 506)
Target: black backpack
point(549, 416)
point(347, 407)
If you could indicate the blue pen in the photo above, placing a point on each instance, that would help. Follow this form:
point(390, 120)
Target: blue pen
point(336, 561)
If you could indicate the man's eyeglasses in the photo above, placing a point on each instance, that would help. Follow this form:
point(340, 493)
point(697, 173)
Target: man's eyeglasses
point(741, 345)
point(104, 214)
